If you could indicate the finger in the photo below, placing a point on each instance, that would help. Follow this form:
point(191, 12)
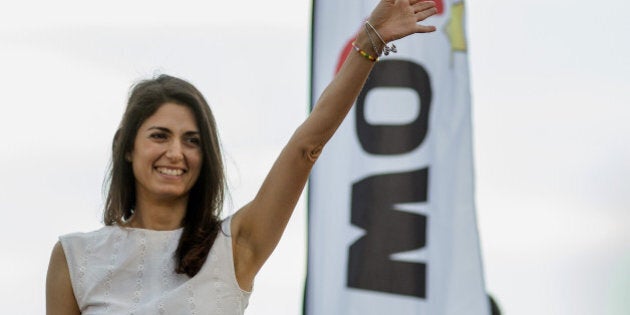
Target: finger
point(425, 29)
point(413, 2)
point(422, 5)
point(422, 15)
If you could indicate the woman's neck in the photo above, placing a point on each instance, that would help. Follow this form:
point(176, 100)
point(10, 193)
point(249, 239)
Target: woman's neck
point(160, 215)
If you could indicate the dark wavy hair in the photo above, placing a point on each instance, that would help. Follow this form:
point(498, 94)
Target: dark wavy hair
point(201, 222)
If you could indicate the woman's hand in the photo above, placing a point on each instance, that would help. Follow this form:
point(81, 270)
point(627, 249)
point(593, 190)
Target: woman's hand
point(395, 19)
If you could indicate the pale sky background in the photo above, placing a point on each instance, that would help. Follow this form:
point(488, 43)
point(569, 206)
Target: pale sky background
point(551, 95)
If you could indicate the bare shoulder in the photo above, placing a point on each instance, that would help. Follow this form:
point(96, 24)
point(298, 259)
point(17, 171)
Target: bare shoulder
point(59, 294)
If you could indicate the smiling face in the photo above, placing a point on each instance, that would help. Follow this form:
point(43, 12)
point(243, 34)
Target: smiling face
point(166, 156)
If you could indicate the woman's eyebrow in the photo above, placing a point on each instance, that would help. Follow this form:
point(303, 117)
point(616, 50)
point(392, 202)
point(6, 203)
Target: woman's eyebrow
point(164, 129)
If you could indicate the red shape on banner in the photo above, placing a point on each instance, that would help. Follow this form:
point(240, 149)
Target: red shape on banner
point(439, 5)
point(344, 54)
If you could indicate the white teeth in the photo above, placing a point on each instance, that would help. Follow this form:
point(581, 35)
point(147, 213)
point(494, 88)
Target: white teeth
point(170, 171)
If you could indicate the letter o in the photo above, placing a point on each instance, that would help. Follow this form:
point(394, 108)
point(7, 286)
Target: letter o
point(395, 139)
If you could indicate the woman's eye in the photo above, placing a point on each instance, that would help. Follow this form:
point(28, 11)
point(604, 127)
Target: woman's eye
point(158, 136)
point(195, 141)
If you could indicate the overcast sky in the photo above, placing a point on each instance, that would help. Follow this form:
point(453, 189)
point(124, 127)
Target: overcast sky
point(551, 95)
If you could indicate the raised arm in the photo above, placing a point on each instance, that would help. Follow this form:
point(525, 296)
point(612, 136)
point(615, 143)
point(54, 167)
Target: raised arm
point(258, 226)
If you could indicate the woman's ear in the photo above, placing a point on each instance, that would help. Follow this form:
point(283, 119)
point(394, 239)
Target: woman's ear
point(128, 157)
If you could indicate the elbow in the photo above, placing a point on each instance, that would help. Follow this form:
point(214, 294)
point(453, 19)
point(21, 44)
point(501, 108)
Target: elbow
point(311, 153)
point(309, 144)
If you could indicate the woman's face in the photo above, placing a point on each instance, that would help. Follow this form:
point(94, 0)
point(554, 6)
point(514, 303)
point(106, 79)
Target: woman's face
point(166, 157)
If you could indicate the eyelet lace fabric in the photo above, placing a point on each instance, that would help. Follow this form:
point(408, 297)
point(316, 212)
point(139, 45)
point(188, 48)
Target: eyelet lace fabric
point(118, 270)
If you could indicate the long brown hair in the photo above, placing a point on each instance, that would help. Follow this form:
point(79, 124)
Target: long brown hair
point(205, 199)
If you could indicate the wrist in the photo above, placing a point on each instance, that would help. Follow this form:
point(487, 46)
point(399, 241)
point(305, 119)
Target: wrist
point(373, 45)
point(371, 32)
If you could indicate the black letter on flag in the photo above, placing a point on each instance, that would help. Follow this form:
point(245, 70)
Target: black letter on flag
point(395, 139)
point(388, 231)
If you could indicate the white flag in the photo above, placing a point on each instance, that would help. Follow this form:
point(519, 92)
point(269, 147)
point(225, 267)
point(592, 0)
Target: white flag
point(392, 227)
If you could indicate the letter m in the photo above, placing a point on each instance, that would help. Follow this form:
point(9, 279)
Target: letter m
point(388, 231)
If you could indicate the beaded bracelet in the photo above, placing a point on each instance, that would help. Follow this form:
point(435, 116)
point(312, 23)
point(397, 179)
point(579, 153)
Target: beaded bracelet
point(363, 53)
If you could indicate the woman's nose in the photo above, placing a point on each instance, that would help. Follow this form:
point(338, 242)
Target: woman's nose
point(174, 151)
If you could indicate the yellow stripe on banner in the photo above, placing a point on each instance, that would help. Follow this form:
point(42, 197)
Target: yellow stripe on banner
point(455, 28)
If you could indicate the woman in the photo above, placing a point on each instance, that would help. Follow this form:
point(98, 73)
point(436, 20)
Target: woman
point(164, 249)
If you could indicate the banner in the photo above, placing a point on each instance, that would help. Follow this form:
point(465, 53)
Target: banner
point(392, 227)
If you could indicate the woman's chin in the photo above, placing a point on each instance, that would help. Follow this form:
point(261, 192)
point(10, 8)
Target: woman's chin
point(170, 194)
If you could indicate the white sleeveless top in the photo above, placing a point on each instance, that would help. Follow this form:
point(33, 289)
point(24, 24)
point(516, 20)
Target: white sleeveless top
point(117, 270)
